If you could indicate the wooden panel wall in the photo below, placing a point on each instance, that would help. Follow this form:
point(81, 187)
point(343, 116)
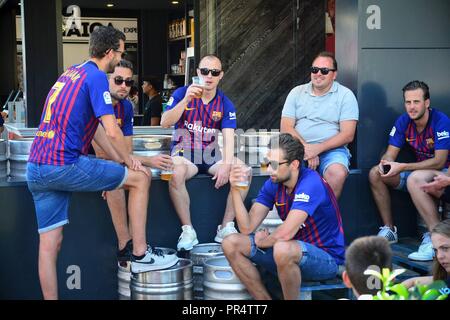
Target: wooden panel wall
point(265, 51)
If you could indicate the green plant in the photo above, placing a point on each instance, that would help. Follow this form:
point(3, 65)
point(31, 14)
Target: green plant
point(392, 291)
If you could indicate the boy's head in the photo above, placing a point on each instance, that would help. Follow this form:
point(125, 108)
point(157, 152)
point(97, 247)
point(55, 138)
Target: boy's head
point(363, 253)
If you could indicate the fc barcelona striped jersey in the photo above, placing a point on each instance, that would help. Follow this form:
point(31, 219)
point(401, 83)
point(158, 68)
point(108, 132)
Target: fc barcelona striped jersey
point(323, 227)
point(124, 115)
point(435, 136)
point(202, 121)
point(70, 115)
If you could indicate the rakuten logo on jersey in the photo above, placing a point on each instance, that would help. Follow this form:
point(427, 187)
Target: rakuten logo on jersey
point(442, 135)
point(196, 127)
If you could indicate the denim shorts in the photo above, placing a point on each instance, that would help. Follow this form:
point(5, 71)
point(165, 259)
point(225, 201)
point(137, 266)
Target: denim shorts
point(315, 265)
point(404, 177)
point(51, 186)
point(339, 155)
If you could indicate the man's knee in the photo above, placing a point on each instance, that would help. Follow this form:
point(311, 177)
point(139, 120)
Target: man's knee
point(51, 242)
point(417, 178)
point(178, 177)
point(232, 244)
point(285, 252)
point(336, 173)
point(374, 175)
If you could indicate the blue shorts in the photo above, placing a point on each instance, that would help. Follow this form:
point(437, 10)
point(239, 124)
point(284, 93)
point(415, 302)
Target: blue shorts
point(339, 155)
point(51, 186)
point(404, 177)
point(315, 265)
point(197, 157)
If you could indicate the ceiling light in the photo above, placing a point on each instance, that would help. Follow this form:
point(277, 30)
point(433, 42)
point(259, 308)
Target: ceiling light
point(175, 2)
point(110, 5)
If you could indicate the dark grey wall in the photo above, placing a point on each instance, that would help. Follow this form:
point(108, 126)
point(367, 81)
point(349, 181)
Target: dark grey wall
point(413, 43)
point(8, 80)
point(265, 53)
point(43, 49)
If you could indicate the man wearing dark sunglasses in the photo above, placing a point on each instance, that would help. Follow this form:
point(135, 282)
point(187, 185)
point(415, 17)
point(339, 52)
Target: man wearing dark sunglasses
point(120, 82)
point(198, 113)
point(308, 245)
point(323, 114)
point(58, 164)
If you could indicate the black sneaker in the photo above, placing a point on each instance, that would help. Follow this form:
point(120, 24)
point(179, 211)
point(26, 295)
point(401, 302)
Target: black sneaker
point(125, 253)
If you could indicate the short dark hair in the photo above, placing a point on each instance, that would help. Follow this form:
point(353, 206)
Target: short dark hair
point(416, 84)
point(292, 147)
point(152, 80)
point(326, 54)
point(363, 253)
point(103, 39)
point(125, 64)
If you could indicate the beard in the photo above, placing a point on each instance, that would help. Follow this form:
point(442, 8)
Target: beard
point(282, 180)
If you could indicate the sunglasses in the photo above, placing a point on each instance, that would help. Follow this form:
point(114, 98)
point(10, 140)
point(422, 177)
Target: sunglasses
point(274, 164)
point(119, 80)
point(206, 71)
point(324, 71)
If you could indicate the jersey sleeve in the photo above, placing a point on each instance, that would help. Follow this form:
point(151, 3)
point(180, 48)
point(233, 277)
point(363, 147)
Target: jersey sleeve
point(397, 134)
point(99, 94)
point(442, 134)
point(229, 117)
point(266, 195)
point(309, 194)
point(127, 128)
point(176, 97)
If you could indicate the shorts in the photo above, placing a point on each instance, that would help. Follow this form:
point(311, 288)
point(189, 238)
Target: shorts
point(315, 265)
point(51, 186)
point(339, 155)
point(199, 158)
point(404, 177)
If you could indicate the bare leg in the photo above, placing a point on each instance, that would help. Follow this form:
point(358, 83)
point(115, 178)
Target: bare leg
point(287, 255)
point(183, 170)
point(335, 175)
point(425, 203)
point(381, 196)
point(49, 246)
point(117, 206)
point(138, 185)
point(236, 248)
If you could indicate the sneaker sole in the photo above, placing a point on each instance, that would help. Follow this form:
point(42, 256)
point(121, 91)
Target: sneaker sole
point(137, 267)
point(421, 260)
point(188, 248)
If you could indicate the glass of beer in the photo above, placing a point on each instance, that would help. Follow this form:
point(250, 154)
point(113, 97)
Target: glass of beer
point(244, 182)
point(264, 165)
point(199, 82)
point(166, 175)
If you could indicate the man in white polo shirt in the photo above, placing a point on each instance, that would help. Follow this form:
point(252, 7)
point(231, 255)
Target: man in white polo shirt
point(323, 114)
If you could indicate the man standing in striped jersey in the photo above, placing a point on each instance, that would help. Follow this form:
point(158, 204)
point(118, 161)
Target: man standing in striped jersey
point(58, 164)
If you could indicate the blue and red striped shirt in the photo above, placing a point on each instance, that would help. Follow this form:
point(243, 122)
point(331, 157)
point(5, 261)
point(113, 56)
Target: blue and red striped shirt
point(435, 135)
point(202, 121)
point(70, 115)
point(123, 111)
point(323, 226)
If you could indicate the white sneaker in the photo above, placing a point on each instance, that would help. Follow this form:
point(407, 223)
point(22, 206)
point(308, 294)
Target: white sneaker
point(390, 235)
point(188, 238)
point(225, 231)
point(425, 252)
point(154, 259)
